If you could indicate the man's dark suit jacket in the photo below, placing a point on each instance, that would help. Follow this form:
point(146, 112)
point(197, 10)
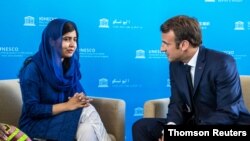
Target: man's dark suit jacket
point(217, 95)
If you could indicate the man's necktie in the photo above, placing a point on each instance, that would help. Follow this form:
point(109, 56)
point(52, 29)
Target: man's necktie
point(189, 79)
point(190, 87)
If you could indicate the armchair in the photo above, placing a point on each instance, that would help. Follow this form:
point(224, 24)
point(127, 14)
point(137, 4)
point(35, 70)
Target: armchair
point(245, 85)
point(156, 108)
point(112, 111)
point(159, 107)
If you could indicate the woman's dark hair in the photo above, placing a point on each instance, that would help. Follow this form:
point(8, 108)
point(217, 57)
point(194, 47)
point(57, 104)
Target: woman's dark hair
point(69, 27)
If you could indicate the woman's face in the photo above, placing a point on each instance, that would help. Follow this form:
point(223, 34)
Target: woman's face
point(69, 44)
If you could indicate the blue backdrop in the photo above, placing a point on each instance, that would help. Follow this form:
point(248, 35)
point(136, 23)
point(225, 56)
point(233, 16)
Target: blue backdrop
point(120, 41)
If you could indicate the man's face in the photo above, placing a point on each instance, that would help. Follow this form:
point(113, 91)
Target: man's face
point(168, 46)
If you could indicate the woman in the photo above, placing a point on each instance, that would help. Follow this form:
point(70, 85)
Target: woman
point(55, 106)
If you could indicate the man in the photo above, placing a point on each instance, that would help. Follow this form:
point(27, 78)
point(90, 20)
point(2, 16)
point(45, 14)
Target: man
point(213, 95)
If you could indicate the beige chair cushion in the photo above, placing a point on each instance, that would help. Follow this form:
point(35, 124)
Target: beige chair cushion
point(245, 85)
point(112, 113)
point(156, 108)
point(10, 101)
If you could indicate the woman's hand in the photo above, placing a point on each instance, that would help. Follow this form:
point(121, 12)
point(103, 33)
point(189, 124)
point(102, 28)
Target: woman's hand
point(79, 100)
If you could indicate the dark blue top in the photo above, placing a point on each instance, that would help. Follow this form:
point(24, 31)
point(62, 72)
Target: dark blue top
point(38, 96)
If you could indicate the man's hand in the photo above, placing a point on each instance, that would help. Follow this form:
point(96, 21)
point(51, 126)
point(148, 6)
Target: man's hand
point(162, 138)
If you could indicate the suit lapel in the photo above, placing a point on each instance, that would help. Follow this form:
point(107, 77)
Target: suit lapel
point(200, 65)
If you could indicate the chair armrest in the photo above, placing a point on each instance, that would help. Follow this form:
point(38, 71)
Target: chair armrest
point(156, 108)
point(245, 83)
point(10, 101)
point(112, 113)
